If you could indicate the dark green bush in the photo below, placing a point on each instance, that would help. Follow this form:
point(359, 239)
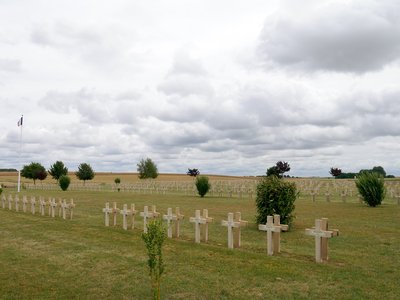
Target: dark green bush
point(275, 196)
point(203, 186)
point(64, 182)
point(371, 187)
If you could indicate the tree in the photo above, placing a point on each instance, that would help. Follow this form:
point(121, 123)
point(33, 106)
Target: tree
point(33, 171)
point(85, 172)
point(202, 185)
point(273, 171)
point(193, 172)
point(335, 172)
point(42, 175)
point(147, 169)
point(379, 170)
point(57, 170)
point(279, 168)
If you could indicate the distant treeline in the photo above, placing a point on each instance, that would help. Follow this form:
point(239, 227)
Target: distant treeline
point(8, 170)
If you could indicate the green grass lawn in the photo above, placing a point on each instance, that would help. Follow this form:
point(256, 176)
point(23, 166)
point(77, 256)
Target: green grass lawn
point(45, 258)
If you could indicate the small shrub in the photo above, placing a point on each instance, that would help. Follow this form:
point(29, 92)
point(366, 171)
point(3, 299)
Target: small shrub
point(64, 182)
point(371, 187)
point(275, 196)
point(154, 239)
point(202, 185)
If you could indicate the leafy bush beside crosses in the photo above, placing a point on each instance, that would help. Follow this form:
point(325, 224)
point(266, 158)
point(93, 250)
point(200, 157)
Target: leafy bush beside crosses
point(275, 196)
point(203, 185)
point(64, 182)
point(57, 170)
point(371, 187)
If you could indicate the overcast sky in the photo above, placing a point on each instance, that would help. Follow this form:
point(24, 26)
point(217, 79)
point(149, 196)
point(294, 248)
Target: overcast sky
point(228, 87)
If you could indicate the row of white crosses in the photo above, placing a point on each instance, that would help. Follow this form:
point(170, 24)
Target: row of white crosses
point(63, 206)
point(273, 227)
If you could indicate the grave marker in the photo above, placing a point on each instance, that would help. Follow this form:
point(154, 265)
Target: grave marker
point(318, 233)
point(59, 207)
point(10, 199)
point(179, 218)
point(16, 203)
point(124, 212)
point(42, 206)
point(24, 203)
point(277, 234)
point(271, 229)
point(169, 217)
point(230, 224)
point(237, 231)
point(154, 212)
point(133, 213)
point(205, 227)
point(115, 211)
point(71, 207)
point(33, 203)
point(324, 241)
point(3, 201)
point(107, 210)
point(53, 205)
point(197, 220)
point(146, 214)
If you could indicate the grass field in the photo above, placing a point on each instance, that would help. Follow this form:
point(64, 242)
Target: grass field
point(45, 258)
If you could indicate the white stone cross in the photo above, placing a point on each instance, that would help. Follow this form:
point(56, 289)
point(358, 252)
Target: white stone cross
point(169, 217)
point(64, 207)
point(24, 203)
point(197, 220)
point(71, 207)
point(155, 213)
point(270, 228)
point(179, 218)
point(49, 204)
point(115, 211)
point(146, 214)
point(276, 235)
point(59, 207)
point(133, 213)
point(107, 210)
point(10, 199)
point(318, 233)
point(208, 220)
point(3, 201)
point(16, 203)
point(33, 203)
point(125, 212)
point(42, 206)
point(230, 224)
point(53, 205)
point(237, 231)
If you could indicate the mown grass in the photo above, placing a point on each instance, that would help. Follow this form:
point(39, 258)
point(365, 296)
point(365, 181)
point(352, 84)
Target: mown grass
point(45, 258)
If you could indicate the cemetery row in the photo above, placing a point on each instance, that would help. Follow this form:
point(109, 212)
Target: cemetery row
point(329, 190)
point(234, 223)
point(62, 208)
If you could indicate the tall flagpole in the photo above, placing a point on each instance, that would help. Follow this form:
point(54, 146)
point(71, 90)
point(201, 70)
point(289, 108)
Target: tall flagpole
point(20, 124)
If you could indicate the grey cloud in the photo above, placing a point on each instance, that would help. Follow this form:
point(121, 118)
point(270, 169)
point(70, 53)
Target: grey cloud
point(357, 37)
point(10, 65)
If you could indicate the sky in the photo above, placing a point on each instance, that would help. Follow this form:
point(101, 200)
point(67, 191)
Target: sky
point(228, 87)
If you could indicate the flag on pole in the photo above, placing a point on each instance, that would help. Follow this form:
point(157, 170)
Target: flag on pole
point(20, 121)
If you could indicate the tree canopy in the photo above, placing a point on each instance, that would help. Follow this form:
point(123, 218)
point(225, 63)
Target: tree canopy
point(279, 168)
point(335, 172)
point(147, 169)
point(34, 171)
point(57, 170)
point(85, 172)
point(193, 172)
